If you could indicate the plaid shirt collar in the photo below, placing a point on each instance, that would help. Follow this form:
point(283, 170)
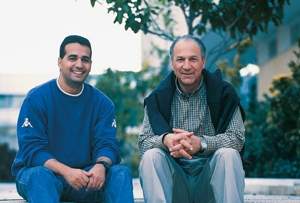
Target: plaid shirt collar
point(187, 95)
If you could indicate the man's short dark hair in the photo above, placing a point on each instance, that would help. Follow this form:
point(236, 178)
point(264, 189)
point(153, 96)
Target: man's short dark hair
point(189, 37)
point(73, 39)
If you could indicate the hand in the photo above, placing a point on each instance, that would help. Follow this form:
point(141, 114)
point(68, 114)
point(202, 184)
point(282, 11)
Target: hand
point(77, 178)
point(97, 177)
point(191, 145)
point(177, 144)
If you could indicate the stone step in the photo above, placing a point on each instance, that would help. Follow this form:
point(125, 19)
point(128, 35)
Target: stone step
point(247, 198)
point(272, 186)
point(257, 190)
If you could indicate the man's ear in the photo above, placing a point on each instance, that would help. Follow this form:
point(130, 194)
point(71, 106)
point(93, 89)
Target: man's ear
point(203, 59)
point(59, 62)
point(171, 62)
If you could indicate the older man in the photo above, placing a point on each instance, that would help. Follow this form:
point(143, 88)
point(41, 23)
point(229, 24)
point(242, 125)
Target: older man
point(192, 133)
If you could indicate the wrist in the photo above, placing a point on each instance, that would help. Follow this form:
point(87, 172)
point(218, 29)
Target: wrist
point(166, 138)
point(104, 163)
point(203, 144)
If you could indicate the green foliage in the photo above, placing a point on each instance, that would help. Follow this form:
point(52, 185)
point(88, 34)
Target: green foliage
point(231, 71)
point(237, 17)
point(6, 160)
point(273, 133)
point(127, 90)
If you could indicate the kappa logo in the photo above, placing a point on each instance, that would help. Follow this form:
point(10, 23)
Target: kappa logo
point(114, 123)
point(27, 123)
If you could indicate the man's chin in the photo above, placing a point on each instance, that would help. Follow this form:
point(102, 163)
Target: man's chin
point(187, 81)
point(78, 79)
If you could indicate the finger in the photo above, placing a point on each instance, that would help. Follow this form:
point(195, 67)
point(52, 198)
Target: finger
point(183, 153)
point(178, 130)
point(76, 186)
point(174, 154)
point(101, 184)
point(90, 184)
point(84, 180)
point(98, 182)
point(176, 147)
point(186, 144)
point(183, 135)
point(87, 173)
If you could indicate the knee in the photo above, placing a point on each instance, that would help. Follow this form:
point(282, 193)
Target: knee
point(119, 178)
point(120, 170)
point(153, 155)
point(152, 159)
point(227, 152)
point(228, 155)
point(41, 173)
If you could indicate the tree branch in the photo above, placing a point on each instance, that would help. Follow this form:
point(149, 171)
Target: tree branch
point(162, 35)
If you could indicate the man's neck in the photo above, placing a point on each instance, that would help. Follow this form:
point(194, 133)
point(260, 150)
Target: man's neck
point(72, 89)
point(189, 89)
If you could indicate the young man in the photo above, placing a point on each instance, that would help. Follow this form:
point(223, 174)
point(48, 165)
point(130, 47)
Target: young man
point(67, 137)
point(192, 132)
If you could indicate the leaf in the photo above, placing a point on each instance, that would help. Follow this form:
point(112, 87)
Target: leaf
point(93, 2)
point(119, 18)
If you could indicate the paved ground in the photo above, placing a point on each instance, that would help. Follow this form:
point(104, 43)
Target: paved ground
point(257, 190)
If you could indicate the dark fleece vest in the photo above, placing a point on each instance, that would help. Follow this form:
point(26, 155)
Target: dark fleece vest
point(222, 101)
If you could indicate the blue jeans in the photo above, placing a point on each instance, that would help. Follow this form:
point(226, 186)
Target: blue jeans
point(41, 185)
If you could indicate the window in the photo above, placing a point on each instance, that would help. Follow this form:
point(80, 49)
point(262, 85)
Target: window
point(11, 101)
point(272, 48)
point(295, 32)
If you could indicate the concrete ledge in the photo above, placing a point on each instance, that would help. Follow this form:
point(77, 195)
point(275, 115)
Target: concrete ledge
point(257, 190)
point(271, 199)
point(268, 186)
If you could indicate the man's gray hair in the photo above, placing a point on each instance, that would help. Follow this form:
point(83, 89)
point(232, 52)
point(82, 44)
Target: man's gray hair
point(189, 37)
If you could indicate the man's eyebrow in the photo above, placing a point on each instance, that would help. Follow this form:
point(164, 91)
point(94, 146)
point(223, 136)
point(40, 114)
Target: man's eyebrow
point(75, 55)
point(72, 55)
point(86, 57)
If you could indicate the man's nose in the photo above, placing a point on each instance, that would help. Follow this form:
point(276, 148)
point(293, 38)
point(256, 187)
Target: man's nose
point(186, 64)
point(79, 63)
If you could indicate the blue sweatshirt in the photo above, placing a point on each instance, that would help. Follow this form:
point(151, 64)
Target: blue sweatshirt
point(75, 130)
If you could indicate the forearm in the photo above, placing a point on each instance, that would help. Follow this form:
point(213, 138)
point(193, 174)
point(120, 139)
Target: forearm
point(227, 140)
point(233, 137)
point(147, 139)
point(105, 142)
point(57, 167)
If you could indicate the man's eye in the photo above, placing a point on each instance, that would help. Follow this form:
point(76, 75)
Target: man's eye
point(72, 58)
point(86, 60)
point(180, 59)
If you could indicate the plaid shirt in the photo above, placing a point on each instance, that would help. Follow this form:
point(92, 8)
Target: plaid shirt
point(191, 112)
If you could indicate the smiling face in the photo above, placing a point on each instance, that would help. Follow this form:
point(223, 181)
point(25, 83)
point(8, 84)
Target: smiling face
point(74, 66)
point(187, 63)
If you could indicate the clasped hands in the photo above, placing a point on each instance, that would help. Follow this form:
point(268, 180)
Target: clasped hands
point(182, 143)
point(90, 180)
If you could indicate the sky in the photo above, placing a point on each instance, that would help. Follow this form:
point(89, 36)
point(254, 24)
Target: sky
point(32, 30)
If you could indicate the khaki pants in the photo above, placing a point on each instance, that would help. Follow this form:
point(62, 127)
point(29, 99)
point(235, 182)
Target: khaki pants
point(221, 179)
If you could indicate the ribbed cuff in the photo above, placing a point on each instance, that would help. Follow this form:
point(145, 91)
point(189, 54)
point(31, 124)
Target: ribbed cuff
point(159, 142)
point(41, 158)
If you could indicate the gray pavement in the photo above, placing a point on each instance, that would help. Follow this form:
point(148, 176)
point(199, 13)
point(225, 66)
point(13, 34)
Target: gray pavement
point(257, 190)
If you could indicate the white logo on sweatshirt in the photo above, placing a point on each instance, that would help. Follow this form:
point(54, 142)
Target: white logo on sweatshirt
point(114, 123)
point(27, 123)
